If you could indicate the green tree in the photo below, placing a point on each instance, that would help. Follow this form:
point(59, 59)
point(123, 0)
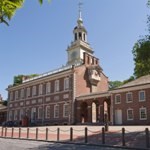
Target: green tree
point(19, 78)
point(9, 7)
point(114, 84)
point(141, 54)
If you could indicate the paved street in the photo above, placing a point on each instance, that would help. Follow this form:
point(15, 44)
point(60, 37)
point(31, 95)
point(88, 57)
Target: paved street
point(13, 144)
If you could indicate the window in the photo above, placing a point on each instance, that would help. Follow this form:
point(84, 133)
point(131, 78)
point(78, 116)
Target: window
point(141, 95)
point(129, 97)
point(40, 89)
point(66, 110)
point(33, 90)
point(56, 85)
point(28, 92)
point(21, 114)
point(22, 93)
point(15, 115)
point(56, 111)
point(47, 112)
point(66, 83)
point(16, 95)
point(11, 96)
point(10, 115)
point(129, 114)
point(117, 99)
point(40, 113)
point(143, 114)
point(33, 113)
point(48, 87)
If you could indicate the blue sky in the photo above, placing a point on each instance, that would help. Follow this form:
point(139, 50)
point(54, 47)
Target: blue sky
point(38, 36)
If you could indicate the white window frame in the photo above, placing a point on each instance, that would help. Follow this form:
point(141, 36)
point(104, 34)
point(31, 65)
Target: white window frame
point(40, 89)
point(141, 100)
point(15, 114)
point(145, 111)
point(22, 93)
point(47, 112)
point(21, 114)
point(16, 95)
point(116, 102)
point(10, 115)
point(11, 96)
point(66, 110)
point(130, 109)
point(57, 86)
point(28, 92)
point(66, 83)
point(127, 98)
point(33, 112)
point(48, 87)
point(34, 90)
point(40, 113)
point(56, 111)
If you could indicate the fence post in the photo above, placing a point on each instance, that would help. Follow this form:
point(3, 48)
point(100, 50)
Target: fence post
point(12, 132)
point(58, 132)
point(71, 134)
point(19, 132)
point(27, 132)
point(5, 131)
point(2, 132)
point(123, 137)
point(147, 137)
point(86, 135)
point(46, 134)
point(103, 135)
point(36, 133)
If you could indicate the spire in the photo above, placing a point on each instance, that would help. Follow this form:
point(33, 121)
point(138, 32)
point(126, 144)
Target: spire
point(80, 21)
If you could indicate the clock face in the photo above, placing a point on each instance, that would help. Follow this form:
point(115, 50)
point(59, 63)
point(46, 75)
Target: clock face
point(74, 55)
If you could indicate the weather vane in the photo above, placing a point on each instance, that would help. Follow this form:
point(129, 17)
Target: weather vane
point(80, 9)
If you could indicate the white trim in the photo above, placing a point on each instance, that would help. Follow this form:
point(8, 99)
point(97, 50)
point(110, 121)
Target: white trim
point(65, 109)
point(127, 100)
point(56, 86)
point(145, 111)
point(66, 83)
point(116, 98)
point(41, 89)
point(56, 111)
point(46, 112)
point(144, 96)
point(48, 87)
point(40, 117)
point(128, 114)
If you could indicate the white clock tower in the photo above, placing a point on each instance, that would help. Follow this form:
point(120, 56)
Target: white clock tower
point(80, 45)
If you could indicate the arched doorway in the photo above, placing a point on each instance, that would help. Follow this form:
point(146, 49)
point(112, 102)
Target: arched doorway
point(84, 112)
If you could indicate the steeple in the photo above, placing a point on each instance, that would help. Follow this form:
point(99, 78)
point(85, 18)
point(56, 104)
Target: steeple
point(80, 45)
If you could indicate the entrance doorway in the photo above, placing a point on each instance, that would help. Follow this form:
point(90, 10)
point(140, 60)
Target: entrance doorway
point(84, 112)
point(118, 116)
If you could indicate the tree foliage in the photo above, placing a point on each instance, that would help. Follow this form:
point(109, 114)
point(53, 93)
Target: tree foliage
point(141, 54)
point(9, 7)
point(19, 78)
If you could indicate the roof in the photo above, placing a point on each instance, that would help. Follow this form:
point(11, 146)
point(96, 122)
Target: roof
point(93, 95)
point(139, 81)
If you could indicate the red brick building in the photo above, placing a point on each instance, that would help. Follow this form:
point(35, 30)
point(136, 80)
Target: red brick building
point(50, 98)
point(78, 92)
point(131, 102)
